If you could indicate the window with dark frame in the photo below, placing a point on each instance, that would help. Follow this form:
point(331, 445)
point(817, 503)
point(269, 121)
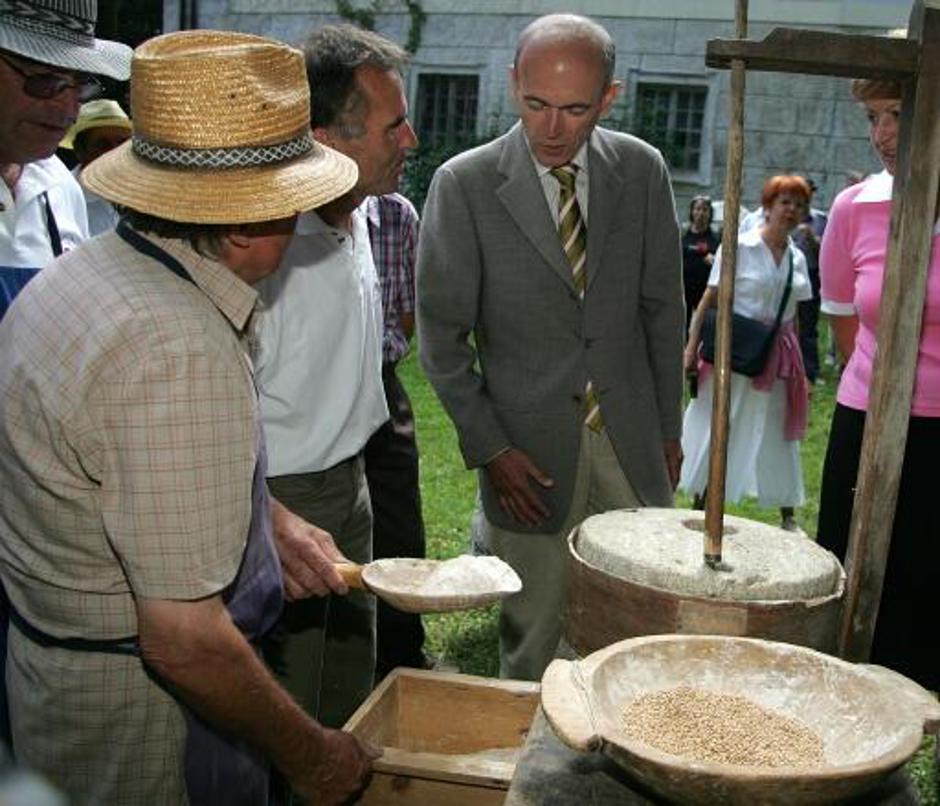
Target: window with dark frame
point(672, 117)
point(446, 108)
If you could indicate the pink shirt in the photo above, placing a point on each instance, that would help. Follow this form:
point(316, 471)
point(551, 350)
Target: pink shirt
point(851, 262)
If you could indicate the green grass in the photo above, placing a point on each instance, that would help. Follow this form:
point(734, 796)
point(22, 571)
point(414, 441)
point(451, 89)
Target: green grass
point(448, 491)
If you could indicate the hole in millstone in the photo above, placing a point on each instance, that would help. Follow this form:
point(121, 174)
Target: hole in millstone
point(698, 525)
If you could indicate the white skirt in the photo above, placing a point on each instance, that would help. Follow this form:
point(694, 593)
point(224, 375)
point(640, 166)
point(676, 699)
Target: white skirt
point(761, 462)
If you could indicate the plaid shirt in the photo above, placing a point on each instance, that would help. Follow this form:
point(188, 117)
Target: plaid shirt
point(393, 231)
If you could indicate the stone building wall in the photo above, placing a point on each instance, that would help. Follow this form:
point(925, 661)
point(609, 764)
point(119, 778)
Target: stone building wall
point(802, 124)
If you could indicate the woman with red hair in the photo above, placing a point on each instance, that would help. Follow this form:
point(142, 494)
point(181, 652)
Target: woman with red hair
point(767, 412)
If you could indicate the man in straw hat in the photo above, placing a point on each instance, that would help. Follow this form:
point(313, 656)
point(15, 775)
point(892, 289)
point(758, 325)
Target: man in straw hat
point(135, 527)
point(101, 126)
point(48, 59)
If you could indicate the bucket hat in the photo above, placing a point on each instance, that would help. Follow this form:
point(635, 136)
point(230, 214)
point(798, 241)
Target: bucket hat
point(221, 134)
point(95, 115)
point(61, 33)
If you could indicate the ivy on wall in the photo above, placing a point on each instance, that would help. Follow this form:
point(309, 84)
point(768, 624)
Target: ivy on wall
point(365, 17)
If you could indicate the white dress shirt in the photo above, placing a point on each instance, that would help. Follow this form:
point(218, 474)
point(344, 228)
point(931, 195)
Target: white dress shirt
point(24, 231)
point(319, 348)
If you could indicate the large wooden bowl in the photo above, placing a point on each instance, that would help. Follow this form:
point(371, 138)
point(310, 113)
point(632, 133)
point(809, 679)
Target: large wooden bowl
point(871, 720)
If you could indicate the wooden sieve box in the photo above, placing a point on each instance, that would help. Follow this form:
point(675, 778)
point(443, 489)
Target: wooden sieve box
point(450, 739)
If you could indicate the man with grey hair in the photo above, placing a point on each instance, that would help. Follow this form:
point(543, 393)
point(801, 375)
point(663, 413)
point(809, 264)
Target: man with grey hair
point(550, 317)
point(336, 57)
point(319, 367)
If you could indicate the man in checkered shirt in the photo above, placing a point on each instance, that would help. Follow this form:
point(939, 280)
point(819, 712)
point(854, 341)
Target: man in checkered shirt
point(392, 452)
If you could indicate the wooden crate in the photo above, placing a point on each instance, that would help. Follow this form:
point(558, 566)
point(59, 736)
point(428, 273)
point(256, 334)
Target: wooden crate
point(449, 739)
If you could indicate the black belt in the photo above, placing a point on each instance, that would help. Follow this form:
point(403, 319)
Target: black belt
point(112, 646)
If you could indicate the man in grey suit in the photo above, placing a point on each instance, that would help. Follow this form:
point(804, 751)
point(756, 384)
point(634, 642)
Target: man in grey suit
point(557, 354)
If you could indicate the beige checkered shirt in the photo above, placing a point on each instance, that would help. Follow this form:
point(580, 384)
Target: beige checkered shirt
point(127, 448)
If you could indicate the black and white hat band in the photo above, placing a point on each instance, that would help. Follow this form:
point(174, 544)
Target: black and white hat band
point(223, 158)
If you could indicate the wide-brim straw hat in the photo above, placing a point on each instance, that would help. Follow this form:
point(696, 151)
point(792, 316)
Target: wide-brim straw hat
point(61, 33)
point(221, 134)
point(97, 114)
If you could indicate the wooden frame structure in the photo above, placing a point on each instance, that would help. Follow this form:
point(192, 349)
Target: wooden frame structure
point(915, 62)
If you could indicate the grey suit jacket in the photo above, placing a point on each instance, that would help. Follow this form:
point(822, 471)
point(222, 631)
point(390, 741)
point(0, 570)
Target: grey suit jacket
point(507, 343)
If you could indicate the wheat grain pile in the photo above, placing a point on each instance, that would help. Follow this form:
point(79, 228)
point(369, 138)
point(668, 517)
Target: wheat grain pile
point(703, 725)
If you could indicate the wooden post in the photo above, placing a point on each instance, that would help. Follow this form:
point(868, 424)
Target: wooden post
point(913, 211)
point(718, 448)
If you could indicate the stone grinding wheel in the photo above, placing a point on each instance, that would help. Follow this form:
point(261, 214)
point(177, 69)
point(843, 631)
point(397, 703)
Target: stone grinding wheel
point(870, 719)
point(662, 548)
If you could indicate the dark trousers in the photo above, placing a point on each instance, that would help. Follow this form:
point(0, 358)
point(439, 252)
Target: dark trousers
point(398, 529)
point(323, 648)
point(808, 317)
point(906, 627)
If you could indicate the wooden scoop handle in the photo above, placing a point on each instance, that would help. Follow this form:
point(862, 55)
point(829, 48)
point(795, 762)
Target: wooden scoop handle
point(351, 574)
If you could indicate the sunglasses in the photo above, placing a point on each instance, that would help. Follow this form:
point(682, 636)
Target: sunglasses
point(44, 86)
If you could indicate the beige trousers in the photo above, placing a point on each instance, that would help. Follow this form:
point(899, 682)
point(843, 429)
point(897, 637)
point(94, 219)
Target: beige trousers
point(530, 622)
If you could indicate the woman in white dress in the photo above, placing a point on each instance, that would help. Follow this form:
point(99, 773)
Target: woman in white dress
point(768, 412)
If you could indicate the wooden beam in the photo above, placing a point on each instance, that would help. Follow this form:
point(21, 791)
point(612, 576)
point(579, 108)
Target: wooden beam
point(913, 213)
point(827, 53)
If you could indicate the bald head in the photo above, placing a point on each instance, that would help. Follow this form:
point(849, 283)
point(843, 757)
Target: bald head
point(564, 30)
point(562, 84)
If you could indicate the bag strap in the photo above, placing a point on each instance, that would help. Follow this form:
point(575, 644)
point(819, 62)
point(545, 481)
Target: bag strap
point(786, 291)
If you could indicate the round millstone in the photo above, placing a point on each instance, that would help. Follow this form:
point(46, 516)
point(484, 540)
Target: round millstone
point(663, 548)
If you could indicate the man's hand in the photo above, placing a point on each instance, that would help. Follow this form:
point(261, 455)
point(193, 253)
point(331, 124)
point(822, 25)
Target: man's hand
point(342, 771)
point(307, 554)
point(510, 473)
point(672, 450)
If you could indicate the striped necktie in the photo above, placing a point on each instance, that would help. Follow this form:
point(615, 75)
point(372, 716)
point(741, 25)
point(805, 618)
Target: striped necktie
point(573, 234)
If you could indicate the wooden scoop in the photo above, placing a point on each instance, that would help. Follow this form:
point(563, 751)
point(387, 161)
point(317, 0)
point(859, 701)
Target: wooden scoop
point(434, 586)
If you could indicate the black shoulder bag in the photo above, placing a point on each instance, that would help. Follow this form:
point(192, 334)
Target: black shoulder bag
point(750, 339)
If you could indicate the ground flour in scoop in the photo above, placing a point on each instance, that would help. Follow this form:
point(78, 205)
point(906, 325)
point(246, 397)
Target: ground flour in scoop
point(436, 585)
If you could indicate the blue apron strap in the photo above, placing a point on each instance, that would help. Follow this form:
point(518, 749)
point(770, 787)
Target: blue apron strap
point(150, 249)
point(55, 240)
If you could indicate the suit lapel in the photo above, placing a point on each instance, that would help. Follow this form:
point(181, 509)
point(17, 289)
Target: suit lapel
point(522, 196)
point(605, 186)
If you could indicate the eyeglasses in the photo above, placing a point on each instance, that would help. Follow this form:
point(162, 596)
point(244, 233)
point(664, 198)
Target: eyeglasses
point(44, 86)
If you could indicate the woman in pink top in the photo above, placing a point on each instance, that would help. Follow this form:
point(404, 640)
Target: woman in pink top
point(852, 264)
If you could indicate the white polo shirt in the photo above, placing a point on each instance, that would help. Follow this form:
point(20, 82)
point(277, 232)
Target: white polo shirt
point(24, 231)
point(318, 358)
